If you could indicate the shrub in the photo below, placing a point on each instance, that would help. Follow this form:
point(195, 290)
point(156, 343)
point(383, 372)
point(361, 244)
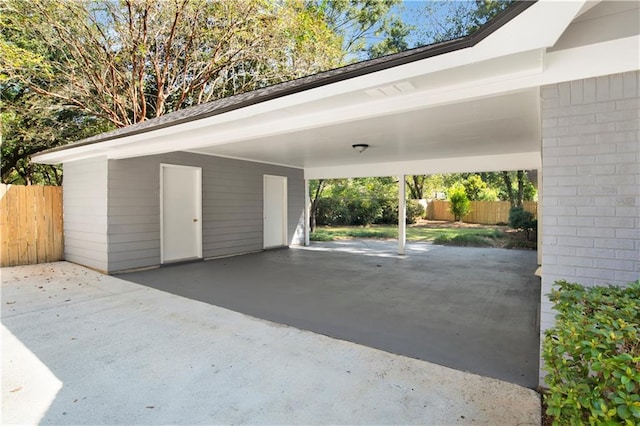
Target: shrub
point(415, 211)
point(364, 211)
point(389, 215)
point(523, 220)
point(592, 355)
point(464, 240)
point(459, 202)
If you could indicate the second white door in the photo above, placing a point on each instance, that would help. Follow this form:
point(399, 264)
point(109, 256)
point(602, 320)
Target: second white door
point(275, 211)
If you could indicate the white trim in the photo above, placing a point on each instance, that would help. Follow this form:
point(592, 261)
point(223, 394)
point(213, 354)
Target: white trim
point(210, 154)
point(285, 207)
point(198, 241)
point(307, 213)
point(518, 161)
point(402, 214)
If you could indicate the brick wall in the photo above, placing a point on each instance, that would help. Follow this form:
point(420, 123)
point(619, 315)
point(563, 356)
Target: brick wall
point(591, 183)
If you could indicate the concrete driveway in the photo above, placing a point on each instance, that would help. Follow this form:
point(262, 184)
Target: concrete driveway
point(79, 347)
point(471, 309)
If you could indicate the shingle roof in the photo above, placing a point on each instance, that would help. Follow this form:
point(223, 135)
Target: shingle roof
point(275, 91)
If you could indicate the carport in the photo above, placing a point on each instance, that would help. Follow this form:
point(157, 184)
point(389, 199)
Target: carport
point(471, 309)
point(547, 86)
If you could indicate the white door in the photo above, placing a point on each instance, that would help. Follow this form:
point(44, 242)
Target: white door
point(275, 211)
point(180, 212)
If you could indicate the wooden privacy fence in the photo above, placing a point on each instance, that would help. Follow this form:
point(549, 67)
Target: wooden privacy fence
point(483, 212)
point(30, 224)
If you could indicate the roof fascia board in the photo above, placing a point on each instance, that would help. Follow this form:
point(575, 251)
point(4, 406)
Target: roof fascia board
point(609, 57)
point(539, 27)
point(516, 161)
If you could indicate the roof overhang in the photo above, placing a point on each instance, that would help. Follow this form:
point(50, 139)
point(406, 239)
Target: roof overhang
point(475, 107)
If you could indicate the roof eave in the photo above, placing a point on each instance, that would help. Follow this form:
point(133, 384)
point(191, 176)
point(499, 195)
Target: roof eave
point(321, 79)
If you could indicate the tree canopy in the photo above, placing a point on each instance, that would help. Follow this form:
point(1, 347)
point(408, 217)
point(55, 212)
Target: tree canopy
point(70, 69)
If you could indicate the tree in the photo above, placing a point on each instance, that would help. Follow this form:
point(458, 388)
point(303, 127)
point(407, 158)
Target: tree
point(105, 64)
point(459, 202)
point(30, 122)
point(474, 187)
point(132, 60)
point(315, 191)
point(425, 186)
point(516, 197)
point(450, 20)
point(368, 29)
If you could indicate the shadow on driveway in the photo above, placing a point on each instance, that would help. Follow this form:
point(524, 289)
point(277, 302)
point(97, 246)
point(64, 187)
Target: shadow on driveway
point(467, 308)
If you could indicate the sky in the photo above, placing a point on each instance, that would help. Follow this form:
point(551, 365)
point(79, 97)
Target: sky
point(414, 12)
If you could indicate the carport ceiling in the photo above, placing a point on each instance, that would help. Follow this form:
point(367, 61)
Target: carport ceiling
point(487, 126)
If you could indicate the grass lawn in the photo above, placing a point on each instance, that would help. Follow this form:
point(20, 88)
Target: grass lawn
point(447, 233)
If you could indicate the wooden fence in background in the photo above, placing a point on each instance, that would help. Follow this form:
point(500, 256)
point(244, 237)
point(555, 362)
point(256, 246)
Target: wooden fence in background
point(483, 212)
point(30, 224)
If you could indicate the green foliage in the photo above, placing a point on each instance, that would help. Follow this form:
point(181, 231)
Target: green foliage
point(334, 233)
point(464, 240)
point(71, 69)
point(459, 202)
point(414, 233)
point(363, 211)
point(592, 355)
point(523, 220)
point(415, 211)
point(368, 29)
point(474, 186)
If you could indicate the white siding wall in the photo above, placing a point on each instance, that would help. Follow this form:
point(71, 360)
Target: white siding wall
point(85, 213)
point(591, 183)
point(232, 199)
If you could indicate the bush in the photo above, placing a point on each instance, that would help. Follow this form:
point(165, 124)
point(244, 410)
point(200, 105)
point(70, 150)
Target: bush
point(363, 211)
point(459, 202)
point(523, 220)
point(389, 215)
point(464, 240)
point(592, 355)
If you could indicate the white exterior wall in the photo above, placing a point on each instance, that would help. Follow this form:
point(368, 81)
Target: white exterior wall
point(232, 216)
point(591, 183)
point(85, 213)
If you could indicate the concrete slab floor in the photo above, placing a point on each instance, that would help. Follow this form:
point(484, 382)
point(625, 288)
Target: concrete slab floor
point(79, 347)
point(471, 309)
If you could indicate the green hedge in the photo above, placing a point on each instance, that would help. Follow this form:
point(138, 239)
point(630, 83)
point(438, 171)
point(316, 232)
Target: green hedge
point(363, 211)
point(592, 355)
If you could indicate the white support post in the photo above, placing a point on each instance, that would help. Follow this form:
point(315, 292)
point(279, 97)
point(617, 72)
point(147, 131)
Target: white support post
point(402, 214)
point(540, 235)
point(307, 212)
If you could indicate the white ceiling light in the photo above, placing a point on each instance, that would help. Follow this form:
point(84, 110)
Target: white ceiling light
point(360, 147)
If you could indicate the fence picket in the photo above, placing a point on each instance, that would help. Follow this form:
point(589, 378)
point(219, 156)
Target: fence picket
point(482, 212)
point(31, 228)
